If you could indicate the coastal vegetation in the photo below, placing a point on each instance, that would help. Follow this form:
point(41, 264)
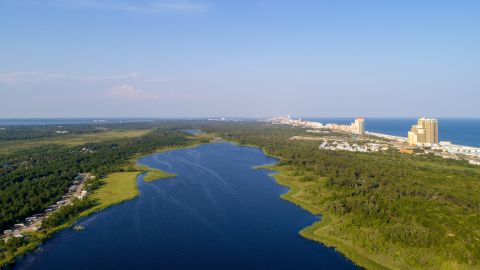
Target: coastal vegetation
point(115, 188)
point(66, 213)
point(156, 174)
point(382, 210)
point(33, 179)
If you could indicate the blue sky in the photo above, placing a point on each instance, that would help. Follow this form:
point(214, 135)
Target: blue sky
point(197, 58)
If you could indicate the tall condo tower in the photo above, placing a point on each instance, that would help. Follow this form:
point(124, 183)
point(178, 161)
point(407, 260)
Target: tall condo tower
point(424, 132)
point(359, 126)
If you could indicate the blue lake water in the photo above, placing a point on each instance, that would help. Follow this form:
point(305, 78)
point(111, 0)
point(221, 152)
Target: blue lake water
point(219, 213)
point(463, 131)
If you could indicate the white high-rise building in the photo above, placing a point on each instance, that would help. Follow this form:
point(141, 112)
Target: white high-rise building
point(359, 126)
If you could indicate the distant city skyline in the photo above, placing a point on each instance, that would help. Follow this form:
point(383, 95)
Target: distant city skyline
point(264, 58)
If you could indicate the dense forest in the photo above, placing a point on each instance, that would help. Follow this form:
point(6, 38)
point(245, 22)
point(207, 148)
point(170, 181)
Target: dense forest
point(33, 179)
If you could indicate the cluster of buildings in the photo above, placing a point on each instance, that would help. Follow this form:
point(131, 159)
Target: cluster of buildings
point(448, 149)
point(424, 133)
point(34, 222)
point(357, 127)
point(346, 146)
point(223, 119)
point(86, 151)
point(15, 231)
point(298, 122)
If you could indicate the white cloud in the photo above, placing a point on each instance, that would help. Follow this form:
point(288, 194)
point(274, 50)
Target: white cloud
point(151, 6)
point(120, 77)
point(130, 93)
point(27, 77)
point(17, 78)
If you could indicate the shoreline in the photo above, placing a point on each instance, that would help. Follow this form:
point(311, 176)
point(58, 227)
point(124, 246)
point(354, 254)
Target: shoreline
point(274, 172)
point(281, 176)
point(349, 252)
point(41, 237)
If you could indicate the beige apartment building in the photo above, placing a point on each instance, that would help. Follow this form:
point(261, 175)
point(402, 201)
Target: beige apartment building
point(424, 132)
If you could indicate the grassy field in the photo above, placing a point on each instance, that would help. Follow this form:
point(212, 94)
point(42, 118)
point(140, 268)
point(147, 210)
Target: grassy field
point(156, 174)
point(118, 187)
point(70, 140)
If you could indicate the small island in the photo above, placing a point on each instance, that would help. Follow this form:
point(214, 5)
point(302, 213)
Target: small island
point(156, 174)
point(79, 228)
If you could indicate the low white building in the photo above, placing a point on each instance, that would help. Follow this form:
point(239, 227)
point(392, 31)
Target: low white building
point(474, 162)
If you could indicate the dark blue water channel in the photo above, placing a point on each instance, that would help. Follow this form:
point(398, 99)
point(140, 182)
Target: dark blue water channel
point(219, 213)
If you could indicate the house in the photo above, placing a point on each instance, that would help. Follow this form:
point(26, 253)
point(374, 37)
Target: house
point(406, 151)
point(19, 226)
point(30, 219)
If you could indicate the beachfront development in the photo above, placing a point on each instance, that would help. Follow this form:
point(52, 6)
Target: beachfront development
point(424, 133)
point(422, 139)
point(357, 127)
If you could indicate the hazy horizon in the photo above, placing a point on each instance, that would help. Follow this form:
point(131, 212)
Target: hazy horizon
point(148, 118)
point(211, 58)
